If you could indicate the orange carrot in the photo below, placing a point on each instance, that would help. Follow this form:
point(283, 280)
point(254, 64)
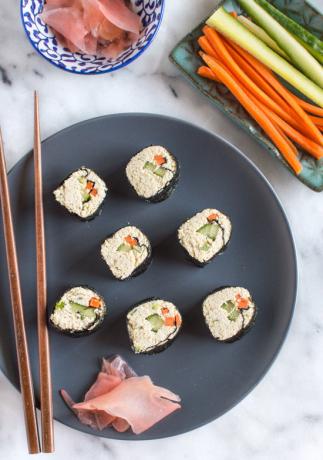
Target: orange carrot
point(132, 241)
point(206, 46)
point(169, 321)
point(307, 144)
point(89, 185)
point(309, 126)
point(94, 192)
point(253, 109)
point(285, 111)
point(242, 301)
point(216, 40)
point(178, 320)
point(212, 217)
point(310, 108)
point(160, 160)
point(95, 302)
point(317, 120)
point(206, 72)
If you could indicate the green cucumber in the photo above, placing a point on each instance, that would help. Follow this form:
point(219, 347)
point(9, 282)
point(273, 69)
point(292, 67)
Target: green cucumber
point(86, 197)
point(316, 54)
point(156, 321)
point(234, 315)
point(298, 54)
point(260, 33)
point(206, 246)
point(213, 231)
point(230, 307)
point(150, 166)
point(160, 172)
point(231, 28)
point(209, 230)
point(83, 310)
point(124, 247)
point(293, 27)
point(60, 305)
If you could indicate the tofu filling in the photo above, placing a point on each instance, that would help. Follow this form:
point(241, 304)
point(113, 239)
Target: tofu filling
point(82, 193)
point(228, 312)
point(205, 234)
point(125, 251)
point(151, 170)
point(152, 324)
point(79, 309)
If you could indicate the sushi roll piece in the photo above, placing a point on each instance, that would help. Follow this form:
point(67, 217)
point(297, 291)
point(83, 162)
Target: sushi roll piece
point(153, 173)
point(229, 312)
point(127, 252)
point(153, 325)
point(80, 311)
point(205, 235)
point(82, 193)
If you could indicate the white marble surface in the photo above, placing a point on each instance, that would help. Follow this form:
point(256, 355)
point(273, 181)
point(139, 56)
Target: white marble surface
point(283, 416)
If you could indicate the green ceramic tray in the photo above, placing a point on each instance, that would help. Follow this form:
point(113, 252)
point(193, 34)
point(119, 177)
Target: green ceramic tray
point(186, 58)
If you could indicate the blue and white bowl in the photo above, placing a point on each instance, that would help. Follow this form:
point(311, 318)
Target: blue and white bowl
point(44, 41)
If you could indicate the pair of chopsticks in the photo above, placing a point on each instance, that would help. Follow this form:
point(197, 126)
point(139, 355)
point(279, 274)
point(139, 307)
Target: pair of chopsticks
point(25, 377)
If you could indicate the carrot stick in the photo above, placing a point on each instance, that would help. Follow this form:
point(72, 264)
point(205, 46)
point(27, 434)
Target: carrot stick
point(240, 94)
point(307, 144)
point(269, 77)
point(218, 43)
point(317, 120)
point(206, 46)
point(206, 72)
point(287, 113)
point(310, 108)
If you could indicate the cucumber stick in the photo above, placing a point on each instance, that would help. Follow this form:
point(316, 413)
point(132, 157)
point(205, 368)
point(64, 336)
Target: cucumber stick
point(293, 27)
point(231, 28)
point(298, 54)
point(260, 33)
point(316, 54)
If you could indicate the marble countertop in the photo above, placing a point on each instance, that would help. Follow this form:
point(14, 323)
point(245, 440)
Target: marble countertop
point(283, 416)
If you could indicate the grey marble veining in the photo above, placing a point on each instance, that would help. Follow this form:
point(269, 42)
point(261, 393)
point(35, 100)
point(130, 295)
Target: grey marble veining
point(283, 416)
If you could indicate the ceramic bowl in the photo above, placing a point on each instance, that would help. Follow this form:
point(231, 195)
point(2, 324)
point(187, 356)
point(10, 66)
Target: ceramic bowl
point(43, 39)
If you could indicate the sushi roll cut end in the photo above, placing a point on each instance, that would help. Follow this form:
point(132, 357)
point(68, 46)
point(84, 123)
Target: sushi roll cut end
point(127, 252)
point(153, 173)
point(153, 325)
point(78, 312)
point(82, 193)
point(205, 235)
point(229, 312)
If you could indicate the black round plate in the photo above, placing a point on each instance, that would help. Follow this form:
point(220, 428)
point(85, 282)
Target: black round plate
point(210, 377)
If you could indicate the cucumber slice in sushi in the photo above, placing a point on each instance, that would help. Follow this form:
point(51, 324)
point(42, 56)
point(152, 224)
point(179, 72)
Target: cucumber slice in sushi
point(229, 312)
point(153, 325)
point(153, 173)
point(80, 311)
point(205, 235)
point(127, 252)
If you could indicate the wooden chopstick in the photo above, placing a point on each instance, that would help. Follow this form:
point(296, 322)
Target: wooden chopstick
point(43, 340)
point(26, 384)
